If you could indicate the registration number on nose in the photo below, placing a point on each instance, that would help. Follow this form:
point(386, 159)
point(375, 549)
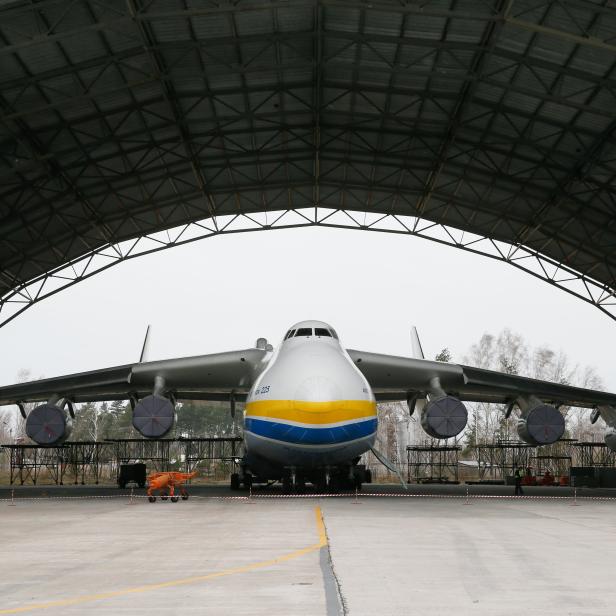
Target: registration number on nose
point(262, 390)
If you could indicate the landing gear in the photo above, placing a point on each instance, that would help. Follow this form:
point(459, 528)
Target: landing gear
point(358, 476)
point(174, 499)
point(152, 499)
point(287, 484)
point(331, 479)
point(293, 482)
point(334, 479)
point(319, 481)
point(333, 484)
point(238, 481)
point(289, 481)
point(327, 482)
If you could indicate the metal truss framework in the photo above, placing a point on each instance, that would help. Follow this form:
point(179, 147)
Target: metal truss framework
point(210, 454)
point(73, 462)
point(433, 463)
point(591, 453)
point(498, 460)
point(49, 283)
point(91, 462)
point(129, 126)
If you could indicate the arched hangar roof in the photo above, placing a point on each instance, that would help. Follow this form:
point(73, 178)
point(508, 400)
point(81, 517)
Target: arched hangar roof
point(487, 124)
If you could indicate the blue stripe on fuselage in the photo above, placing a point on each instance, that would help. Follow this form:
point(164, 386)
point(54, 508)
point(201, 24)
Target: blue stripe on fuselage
point(310, 436)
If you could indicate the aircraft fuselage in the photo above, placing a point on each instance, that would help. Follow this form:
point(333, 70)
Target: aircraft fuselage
point(311, 406)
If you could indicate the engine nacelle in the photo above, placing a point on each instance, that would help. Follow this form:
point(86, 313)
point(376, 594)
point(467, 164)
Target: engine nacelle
point(154, 416)
point(610, 439)
point(444, 417)
point(48, 424)
point(540, 424)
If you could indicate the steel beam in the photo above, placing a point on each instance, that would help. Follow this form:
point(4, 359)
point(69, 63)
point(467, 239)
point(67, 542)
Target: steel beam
point(23, 297)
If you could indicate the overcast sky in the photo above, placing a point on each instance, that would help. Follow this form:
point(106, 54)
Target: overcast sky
point(225, 292)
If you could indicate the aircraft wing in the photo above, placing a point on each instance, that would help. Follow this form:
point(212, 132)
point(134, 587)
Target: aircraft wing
point(396, 378)
point(204, 377)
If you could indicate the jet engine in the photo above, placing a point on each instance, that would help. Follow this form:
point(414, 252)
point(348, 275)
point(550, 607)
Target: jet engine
point(539, 423)
point(154, 416)
point(49, 424)
point(444, 417)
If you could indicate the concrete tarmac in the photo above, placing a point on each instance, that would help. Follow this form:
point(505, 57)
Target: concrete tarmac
point(377, 555)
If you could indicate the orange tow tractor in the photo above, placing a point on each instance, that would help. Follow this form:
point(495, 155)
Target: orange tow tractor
point(167, 482)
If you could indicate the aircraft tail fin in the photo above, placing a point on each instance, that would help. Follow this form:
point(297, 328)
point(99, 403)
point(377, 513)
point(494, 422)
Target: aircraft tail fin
point(146, 346)
point(389, 465)
point(416, 344)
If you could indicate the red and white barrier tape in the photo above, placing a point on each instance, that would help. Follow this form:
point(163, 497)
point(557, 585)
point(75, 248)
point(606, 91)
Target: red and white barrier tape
point(360, 495)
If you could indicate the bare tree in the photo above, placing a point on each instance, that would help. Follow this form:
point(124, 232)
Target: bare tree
point(7, 423)
point(88, 422)
point(509, 352)
point(16, 423)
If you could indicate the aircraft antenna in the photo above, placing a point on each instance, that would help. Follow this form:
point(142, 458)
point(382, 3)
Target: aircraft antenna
point(416, 344)
point(146, 347)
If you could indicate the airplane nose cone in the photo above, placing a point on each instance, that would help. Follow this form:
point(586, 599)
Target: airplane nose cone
point(318, 389)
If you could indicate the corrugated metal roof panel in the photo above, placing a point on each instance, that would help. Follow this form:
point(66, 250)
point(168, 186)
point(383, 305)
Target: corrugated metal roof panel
point(497, 113)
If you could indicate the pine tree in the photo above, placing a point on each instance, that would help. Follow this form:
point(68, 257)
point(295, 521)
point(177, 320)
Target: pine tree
point(444, 355)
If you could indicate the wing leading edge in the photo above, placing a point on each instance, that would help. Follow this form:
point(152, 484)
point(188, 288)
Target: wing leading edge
point(203, 377)
point(396, 378)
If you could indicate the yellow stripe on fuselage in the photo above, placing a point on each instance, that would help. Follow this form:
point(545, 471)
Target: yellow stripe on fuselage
point(305, 412)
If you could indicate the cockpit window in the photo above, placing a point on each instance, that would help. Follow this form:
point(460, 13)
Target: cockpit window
point(304, 331)
point(334, 334)
point(289, 334)
point(321, 331)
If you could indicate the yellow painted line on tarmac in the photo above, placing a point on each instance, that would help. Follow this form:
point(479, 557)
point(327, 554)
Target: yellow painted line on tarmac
point(320, 528)
point(182, 582)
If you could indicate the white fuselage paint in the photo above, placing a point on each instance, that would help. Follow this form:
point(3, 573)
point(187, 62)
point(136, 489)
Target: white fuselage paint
point(310, 406)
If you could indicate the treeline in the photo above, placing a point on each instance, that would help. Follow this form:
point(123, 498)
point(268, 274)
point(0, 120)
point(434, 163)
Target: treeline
point(99, 421)
point(505, 352)
point(509, 352)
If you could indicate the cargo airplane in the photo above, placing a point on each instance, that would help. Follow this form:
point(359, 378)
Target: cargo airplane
point(310, 405)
